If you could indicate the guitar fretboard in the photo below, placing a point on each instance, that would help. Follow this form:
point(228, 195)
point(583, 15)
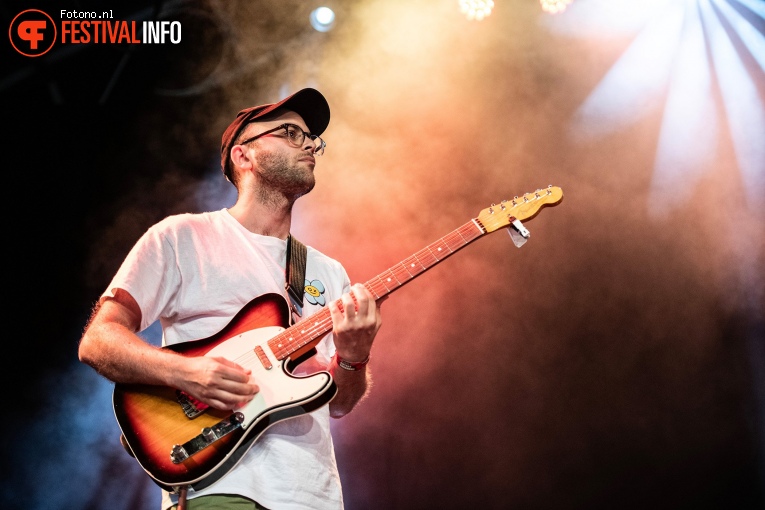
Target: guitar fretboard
point(312, 329)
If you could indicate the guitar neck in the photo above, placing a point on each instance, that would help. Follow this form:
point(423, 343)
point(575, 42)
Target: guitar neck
point(416, 264)
point(308, 332)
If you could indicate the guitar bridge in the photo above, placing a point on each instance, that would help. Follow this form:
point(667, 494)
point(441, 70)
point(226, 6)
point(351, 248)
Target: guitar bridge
point(191, 406)
point(208, 436)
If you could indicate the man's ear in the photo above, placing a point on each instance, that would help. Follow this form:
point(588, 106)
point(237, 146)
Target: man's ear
point(239, 157)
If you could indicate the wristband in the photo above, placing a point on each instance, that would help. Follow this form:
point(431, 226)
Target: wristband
point(350, 365)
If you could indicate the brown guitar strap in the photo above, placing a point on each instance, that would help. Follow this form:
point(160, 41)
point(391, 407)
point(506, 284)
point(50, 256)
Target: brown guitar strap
point(297, 255)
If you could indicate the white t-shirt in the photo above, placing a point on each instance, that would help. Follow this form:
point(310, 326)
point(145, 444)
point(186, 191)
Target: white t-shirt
point(193, 273)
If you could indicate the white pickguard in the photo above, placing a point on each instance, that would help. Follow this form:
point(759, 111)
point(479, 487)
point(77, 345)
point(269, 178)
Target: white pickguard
point(277, 388)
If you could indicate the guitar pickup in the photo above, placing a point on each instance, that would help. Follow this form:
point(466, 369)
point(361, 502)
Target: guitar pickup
point(208, 436)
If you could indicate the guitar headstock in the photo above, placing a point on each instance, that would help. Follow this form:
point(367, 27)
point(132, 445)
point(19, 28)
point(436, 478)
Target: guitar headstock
point(519, 208)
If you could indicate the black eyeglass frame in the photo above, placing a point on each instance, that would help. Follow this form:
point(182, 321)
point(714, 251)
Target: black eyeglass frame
point(319, 146)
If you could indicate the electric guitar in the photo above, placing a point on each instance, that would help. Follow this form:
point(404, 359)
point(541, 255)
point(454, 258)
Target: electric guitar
point(181, 442)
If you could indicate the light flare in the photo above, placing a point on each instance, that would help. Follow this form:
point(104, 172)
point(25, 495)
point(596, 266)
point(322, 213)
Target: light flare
point(476, 9)
point(554, 6)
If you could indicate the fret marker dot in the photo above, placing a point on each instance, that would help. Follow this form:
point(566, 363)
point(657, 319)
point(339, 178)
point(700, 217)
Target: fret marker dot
point(412, 265)
point(279, 345)
point(439, 249)
point(388, 279)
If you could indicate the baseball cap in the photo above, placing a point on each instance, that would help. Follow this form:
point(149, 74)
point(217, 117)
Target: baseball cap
point(308, 103)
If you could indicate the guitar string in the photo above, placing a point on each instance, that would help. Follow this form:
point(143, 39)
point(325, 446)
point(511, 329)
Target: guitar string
point(289, 341)
point(452, 242)
point(456, 239)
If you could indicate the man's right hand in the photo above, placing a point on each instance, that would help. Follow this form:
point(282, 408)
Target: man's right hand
point(217, 382)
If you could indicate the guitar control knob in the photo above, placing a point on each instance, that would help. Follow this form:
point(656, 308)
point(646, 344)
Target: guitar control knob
point(209, 434)
point(178, 454)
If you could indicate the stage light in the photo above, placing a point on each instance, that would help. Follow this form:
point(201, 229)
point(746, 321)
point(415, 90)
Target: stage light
point(554, 6)
point(476, 9)
point(322, 19)
point(699, 64)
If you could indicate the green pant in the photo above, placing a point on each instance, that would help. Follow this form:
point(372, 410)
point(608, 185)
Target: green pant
point(221, 502)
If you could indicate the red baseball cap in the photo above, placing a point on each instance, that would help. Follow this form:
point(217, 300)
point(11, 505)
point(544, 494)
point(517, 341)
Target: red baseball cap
point(308, 103)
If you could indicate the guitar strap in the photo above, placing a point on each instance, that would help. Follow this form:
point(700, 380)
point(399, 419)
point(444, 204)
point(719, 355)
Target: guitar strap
point(297, 255)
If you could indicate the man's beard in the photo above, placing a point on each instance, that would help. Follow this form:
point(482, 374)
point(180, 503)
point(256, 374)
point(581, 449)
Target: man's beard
point(280, 175)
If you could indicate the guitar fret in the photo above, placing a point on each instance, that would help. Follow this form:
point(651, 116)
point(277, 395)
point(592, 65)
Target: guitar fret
point(382, 282)
point(439, 247)
point(454, 242)
point(410, 266)
point(377, 289)
point(390, 282)
point(427, 256)
point(408, 275)
point(390, 271)
point(291, 341)
point(371, 289)
point(471, 233)
point(401, 274)
point(433, 254)
point(417, 259)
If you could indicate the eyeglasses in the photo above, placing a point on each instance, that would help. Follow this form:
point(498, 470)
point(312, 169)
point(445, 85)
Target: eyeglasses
point(295, 136)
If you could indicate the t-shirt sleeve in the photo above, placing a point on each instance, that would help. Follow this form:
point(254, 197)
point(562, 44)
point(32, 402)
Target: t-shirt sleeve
point(150, 274)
